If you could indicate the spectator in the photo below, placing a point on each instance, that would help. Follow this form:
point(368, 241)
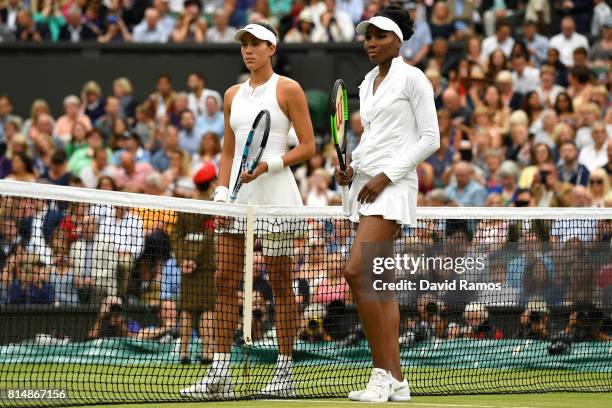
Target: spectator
point(580, 87)
point(30, 31)
point(212, 121)
point(190, 27)
point(565, 108)
point(130, 142)
point(524, 78)
point(117, 31)
point(260, 12)
point(509, 176)
point(6, 113)
point(586, 323)
point(318, 193)
point(452, 102)
point(161, 102)
point(601, 14)
point(547, 89)
point(417, 47)
point(63, 278)
point(533, 108)
point(302, 32)
point(465, 190)
point(523, 198)
point(123, 91)
point(83, 156)
point(596, 155)
point(547, 190)
point(544, 134)
point(74, 31)
point(518, 147)
point(568, 40)
point(509, 98)
point(502, 39)
point(78, 139)
point(570, 171)
point(599, 187)
point(92, 101)
point(494, 64)
point(166, 20)
point(477, 324)
point(209, 151)
point(9, 13)
point(111, 321)
point(30, 282)
point(38, 107)
point(441, 23)
point(333, 25)
point(57, 173)
point(170, 142)
point(150, 30)
point(601, 51)
point(22, 168)
point(130, 174)
point(587, 115)
point(536, 44)
point(191, 134)
point(65, 123)
point(112, 111)
point(221, 32)
point(533, 322)
point(355, 131)
point(540, 153)
point(100, 165)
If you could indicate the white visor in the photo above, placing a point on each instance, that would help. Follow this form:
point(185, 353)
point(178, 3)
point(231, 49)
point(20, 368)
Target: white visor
point(258, 31)
point(384, 23)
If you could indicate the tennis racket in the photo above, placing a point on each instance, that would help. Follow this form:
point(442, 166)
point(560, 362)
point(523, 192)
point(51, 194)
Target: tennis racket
point(339, 118)
point(253, 148)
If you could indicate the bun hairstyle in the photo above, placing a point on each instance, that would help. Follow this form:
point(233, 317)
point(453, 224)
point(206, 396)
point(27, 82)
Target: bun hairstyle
point(401, 18)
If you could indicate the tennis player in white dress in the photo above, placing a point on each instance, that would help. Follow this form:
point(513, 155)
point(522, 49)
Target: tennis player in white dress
point(400, 131)
point(271, 183)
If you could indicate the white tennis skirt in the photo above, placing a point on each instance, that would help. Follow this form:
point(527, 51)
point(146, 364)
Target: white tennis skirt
point(397, 201)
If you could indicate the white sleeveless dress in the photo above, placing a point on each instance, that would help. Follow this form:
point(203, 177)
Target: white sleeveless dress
point(279, 189)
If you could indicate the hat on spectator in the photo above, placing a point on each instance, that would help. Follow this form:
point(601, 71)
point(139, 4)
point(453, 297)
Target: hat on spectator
point(538, 305)
point(306, 16)
point(206, 174)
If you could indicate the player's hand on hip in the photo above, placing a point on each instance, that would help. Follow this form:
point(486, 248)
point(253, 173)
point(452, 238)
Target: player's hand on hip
point(373, 188)
point(343, 177)
point(259, 170)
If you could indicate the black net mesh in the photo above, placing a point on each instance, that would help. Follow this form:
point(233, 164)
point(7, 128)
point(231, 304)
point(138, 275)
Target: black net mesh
point(118, 302)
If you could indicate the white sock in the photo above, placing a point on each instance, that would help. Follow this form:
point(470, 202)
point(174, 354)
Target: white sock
point(221, 361)
point(284, 363)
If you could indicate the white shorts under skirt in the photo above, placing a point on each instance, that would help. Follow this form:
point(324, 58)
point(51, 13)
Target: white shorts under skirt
point(397, 201)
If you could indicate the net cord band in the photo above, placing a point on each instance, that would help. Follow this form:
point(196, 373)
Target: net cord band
point(119, 198)
point(248, 278)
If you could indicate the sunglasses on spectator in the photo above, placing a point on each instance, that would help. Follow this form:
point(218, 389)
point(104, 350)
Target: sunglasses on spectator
point(596, 181)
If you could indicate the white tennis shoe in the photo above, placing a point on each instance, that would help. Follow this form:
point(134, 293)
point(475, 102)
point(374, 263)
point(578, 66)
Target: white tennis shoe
point(382, 387)
point(281, 385)
point(217, 384)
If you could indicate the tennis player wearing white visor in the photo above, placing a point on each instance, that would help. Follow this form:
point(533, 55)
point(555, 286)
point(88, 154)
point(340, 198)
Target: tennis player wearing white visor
point(271, 183)
point(400, 131)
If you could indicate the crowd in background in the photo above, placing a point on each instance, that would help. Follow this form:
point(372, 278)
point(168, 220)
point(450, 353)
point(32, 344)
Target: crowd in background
point(523, 96)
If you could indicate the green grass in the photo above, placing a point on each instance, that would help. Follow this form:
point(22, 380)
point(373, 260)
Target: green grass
point(103, 383)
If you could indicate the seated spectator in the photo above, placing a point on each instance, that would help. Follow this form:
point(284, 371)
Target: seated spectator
point(565, 109)
point(548, 90)
point(430, 322)
point(65, 123)
point(499, 113)
point(586, 115)
point(92, 100)
point(477, 325)
point(150, 30)
point(534, 321)
point(570, 171)
point(161, 102)
point(536, 44)
point(30, 31)
point(112, 322)
point(568, 40)
point(599, 187)
point(190, 27)
point(198, 93)
point(518, 145)
point(540, 153)
point(63, 277)
point(30, 282)
point(146, 129)
point(177, 177)
point(166, 19)
point(22, 168)
point(452, 102)
point(318, 193)
point(130, 142)
point(510, 98)
point(596, 155)
point(221, 32)
point(548, 190)
point(330, 30)
point(303, 30)
point(117, 32)
point(417, 47)
point(533, 107)
point(30, 126)
point(502, 39)
point(130, 174)
point(465, 190)
point(601, 52)
point(8, 14)
point(170, 142)
point(78, 139)
point(586, 323)
point(191, 134)
point(508, 175)
point(210, 151)
point(442, 21)
point(74, 31)
point(83, 157)
point(212, 121)
point(123, 90)
point(580, 87)
point(112, 111)
point(538, 283)
point(57, 173)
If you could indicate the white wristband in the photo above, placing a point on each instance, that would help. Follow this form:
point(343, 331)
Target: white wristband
point(221, 194)
point(275, 164)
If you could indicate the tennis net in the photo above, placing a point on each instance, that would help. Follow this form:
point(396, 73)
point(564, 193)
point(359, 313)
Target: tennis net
point(110, 297)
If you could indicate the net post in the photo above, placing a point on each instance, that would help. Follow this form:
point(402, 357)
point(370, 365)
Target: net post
point(248, 278)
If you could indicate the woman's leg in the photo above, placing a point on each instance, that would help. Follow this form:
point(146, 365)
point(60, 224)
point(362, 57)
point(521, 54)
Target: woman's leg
point(380, 318)
point(206, 334)
point(186, 330)
point(229, 273)
point(286, 308)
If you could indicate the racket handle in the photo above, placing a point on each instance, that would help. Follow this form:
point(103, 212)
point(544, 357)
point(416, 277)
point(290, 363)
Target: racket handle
point(344, 193)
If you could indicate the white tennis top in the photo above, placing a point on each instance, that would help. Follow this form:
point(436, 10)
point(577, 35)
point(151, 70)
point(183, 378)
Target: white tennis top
point(268, 189)
point(400, 123)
